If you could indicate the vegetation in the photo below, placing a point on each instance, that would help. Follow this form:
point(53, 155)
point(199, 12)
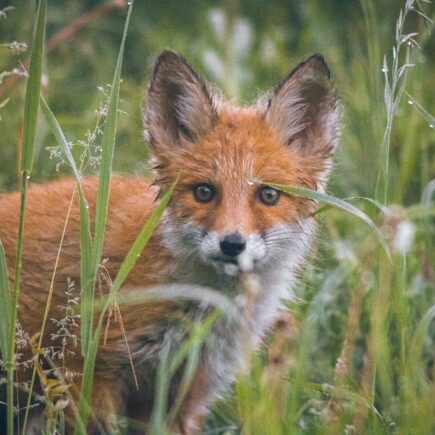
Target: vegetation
point(357, 353)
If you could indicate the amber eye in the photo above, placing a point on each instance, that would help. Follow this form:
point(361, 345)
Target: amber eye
point(268, 195)
point(204, 192)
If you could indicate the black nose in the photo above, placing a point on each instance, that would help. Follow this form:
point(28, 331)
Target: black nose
point(233, 244)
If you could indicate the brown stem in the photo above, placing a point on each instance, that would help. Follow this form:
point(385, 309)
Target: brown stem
point(69, 31)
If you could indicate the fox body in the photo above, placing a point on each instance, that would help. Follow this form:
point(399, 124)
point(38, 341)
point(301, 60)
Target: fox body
point(221, 226)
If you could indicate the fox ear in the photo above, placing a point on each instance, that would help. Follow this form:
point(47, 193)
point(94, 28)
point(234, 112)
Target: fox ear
point(303, 109)
point(180, 108)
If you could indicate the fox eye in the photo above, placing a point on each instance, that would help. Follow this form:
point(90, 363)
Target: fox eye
point(268, 195)
point(204, 192)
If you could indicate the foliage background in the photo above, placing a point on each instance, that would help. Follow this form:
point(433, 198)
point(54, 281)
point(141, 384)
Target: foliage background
point(245, 47)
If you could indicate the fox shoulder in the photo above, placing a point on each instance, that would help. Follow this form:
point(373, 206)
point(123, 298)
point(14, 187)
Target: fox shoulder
point(50, 205)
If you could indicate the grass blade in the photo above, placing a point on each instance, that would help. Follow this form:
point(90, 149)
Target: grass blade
point(31, 102)
point(421, 110)
point(90, 340)
point(5, 306)
point(157, 424)
point(370, 201)
point(140, 243)
point(84, 405)
point(175, 291)
point(86, 246)
point(60, 137)
point(87, 277)
point(333, 202)
point(108, 147)
point(127, 265)
point(102, 204)
point(31, 106)
point(189, 353)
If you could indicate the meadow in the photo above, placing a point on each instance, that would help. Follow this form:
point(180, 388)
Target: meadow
point(355, 352)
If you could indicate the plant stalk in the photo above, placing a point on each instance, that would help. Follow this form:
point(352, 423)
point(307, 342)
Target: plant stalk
point(10, 366)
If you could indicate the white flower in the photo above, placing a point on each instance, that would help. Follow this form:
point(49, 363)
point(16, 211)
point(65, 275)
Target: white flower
point(404, 236)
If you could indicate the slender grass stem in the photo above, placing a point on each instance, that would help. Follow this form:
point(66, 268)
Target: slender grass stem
point(46, 312)
point(393, 94)
point(31, 106)
point(84, 406)
point(90, 337)
point(10, 366)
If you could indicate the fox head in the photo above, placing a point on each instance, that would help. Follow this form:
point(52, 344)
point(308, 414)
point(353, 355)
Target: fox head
point(220, 213)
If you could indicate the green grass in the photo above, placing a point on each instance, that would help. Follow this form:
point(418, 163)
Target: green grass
point(31, 106)
point(360, 353)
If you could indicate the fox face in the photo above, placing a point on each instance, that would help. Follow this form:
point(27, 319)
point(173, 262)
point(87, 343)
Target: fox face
point(223, 213)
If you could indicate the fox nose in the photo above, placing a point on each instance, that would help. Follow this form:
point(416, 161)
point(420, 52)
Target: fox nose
point(233, 244)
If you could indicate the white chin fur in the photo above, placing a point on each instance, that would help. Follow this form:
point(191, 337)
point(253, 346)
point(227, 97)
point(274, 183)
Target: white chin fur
point(247, 261)
point(231, 269)
point(227, 268)
point(243, 264)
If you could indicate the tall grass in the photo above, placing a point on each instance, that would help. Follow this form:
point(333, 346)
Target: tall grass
point(91, 245)
point(31, 106)
point(375, 376)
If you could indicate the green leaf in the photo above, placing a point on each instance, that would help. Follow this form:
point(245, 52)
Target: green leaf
point(140, 243)
point(31, 103)
point(333, 202)
point(102, 203)
point(5, 306)
point(177, 291)
point(108, 147)
point(60, 137)
point(157, 423)
point(86, 246)
point(84, 406)
point(92, 258)
point(371, 201)
point(128, 263)
point(31, 106)
point(422, 111)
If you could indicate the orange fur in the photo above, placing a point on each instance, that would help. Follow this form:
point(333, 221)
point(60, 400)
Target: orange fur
point(199, 140)
point(241, 148)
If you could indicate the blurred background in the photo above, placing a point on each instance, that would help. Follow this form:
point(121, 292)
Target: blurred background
point(242, 46)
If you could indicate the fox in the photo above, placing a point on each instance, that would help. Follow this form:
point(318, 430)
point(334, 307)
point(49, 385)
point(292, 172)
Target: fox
point(225, 231)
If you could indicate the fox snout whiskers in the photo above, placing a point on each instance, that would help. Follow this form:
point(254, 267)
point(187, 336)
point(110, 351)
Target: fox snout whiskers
point(233, 253)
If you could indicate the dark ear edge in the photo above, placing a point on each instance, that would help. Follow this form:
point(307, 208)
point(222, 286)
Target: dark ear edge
point(315, 61)
point(168, 57)
point(303, 108)
point(178, 101)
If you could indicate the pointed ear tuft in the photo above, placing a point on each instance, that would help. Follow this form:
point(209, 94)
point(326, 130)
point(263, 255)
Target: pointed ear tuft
point(180, 108)
point(303, 109)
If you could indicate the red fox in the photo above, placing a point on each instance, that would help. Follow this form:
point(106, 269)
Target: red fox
point(220, 226)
